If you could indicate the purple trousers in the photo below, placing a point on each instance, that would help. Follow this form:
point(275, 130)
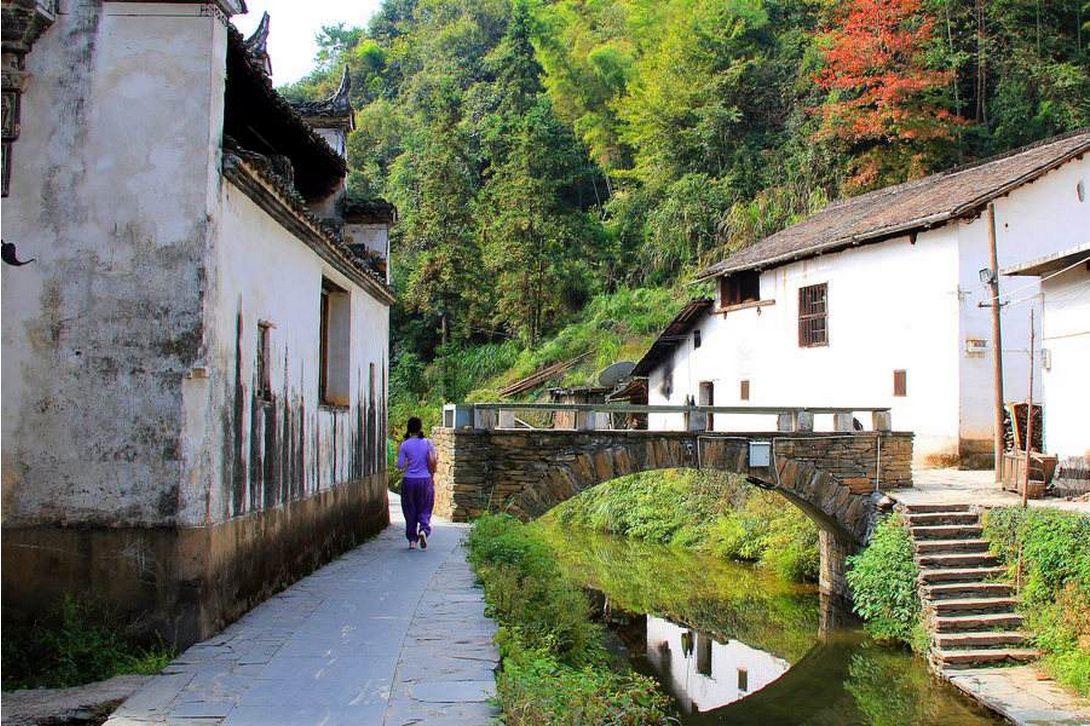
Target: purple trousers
point(417, 499)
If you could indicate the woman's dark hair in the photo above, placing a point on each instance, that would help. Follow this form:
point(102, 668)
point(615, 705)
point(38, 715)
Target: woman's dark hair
point(415, 428)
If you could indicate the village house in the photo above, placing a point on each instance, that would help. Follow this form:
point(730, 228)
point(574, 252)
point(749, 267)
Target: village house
point(195, 362)
point(1063, 340)
point(881, 300)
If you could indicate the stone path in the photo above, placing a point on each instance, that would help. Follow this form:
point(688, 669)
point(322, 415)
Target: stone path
point(384, 635)
point(1020, 694)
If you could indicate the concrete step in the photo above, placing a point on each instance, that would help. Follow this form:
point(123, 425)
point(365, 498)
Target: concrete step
point(970, 658)
point(951, 546)
point(947, 531)
point(929, 508)
point(980, 640)
point(936, 518)
point(950, 590)
point(964, 559)
point(960, 574)
point(977, 623)
point(974, 605)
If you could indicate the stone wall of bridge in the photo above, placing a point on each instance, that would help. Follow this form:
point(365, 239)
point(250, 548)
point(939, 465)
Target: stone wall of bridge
point(527, 473)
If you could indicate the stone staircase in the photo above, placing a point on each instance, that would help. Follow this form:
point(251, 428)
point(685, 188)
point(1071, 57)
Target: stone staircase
point(972, 620)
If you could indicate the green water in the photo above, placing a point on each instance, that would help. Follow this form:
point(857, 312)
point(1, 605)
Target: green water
point(734, 644)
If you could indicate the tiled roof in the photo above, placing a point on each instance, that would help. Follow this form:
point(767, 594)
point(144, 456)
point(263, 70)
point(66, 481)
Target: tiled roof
point(912, 206)
point(336, 106)
point(672, 336)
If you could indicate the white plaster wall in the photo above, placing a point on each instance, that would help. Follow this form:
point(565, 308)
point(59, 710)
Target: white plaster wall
point(1034, 220)
point(264, 273)
point(110, 193)
point(892, 306)
point(1067, 379)
point(707, 693)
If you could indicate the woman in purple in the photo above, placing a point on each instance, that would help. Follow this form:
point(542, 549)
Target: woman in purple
point(418, 460)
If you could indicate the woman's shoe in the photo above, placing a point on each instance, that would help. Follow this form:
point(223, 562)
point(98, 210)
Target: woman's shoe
point(423, 539)
point(412, 545)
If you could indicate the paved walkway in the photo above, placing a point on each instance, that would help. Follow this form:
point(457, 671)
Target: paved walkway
point(384, 635)
point(957, 486)
point(1020, 694)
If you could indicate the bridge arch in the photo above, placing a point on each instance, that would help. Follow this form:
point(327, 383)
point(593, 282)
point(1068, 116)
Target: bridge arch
point(831, 477)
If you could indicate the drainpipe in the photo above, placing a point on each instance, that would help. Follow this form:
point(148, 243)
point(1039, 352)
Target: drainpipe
point(997, 344)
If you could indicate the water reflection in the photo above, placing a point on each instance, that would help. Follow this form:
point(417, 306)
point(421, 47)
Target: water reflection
point(703, 673)
point(737, 645)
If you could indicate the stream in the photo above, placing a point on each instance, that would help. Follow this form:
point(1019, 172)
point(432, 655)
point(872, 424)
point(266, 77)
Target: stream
point(735, 644)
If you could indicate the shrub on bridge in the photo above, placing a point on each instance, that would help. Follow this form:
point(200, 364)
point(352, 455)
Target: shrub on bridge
point(883, 582)
point(555, 669)
point(1053, 548)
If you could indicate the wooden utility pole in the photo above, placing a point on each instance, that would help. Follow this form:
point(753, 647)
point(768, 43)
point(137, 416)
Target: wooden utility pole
point(997, 343)
point(1029, 411)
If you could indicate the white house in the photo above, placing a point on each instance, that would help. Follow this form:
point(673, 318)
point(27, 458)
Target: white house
point(195, 363)
point(877, 300)
point(1064, 342)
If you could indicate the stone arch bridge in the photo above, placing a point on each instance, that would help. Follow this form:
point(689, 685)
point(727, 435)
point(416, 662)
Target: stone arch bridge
point(488, 462)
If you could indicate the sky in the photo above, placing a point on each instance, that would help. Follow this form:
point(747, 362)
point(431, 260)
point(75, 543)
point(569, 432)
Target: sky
point(293, 24)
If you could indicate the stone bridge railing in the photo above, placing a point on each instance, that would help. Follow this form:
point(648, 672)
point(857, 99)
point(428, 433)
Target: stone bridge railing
point(490, 460)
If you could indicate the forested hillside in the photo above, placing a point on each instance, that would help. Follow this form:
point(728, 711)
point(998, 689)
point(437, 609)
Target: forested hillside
point(544, 154)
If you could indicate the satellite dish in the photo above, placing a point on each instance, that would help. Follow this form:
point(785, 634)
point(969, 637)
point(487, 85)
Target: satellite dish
point(614, 374)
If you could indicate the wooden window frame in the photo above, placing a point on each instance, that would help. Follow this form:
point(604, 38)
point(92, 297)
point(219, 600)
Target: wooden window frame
point(743, 390)
point(739, 288)
point(697, 342)
point(900, 383)
point(263, 371)
point(814, 315)
point(323, 346)
point(743, 680)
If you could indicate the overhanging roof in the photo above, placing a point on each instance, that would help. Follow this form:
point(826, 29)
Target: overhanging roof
point(1051, 263)
point(671, 336)
point(905, 208)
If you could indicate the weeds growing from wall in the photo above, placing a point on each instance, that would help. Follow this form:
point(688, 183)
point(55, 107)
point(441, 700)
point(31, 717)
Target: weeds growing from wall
point(1053, 548)
point(79, 642)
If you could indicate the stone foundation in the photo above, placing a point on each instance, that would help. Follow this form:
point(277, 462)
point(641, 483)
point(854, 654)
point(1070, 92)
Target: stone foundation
point(186, 584)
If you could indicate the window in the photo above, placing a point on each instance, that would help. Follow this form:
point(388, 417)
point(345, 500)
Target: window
point(900, 383)
point(667, 386)
point(743, 680)
point(813, 316)
point(707, 398)
point(703, 654)
point(739, 287)
point(744, 393)
point(263, 383)
point(334, 345)
point(696, 339)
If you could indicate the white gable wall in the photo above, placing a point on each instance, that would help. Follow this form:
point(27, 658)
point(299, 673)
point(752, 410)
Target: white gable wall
point(891, 306)
point(1034, 220)
point(1066, 380)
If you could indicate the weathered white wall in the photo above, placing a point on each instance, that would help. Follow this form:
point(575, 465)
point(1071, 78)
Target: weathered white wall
point(891, 306)
point(111, 190)
point(263, 273)
point(1067, 379)
point(702, 692)
point(1034, 220)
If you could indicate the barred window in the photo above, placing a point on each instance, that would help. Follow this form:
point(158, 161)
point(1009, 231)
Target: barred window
point(813, 316)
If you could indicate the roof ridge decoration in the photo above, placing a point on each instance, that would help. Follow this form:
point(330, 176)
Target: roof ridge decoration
point(337, 106)
point(907, 208)
point(257, 44)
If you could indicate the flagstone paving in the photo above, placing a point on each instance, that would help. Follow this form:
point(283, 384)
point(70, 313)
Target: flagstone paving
point(384, 635)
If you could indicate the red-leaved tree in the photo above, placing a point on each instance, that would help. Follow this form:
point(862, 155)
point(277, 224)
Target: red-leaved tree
point(882, 95)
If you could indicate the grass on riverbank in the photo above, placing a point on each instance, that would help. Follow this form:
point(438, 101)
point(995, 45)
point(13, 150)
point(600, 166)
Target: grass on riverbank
point(883, 582)
point(711, 512)
point(555, 669)
point(1054, 550)
point(80, 643)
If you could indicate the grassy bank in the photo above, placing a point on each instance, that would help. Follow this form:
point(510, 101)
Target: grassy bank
point(79, 643)
point(711, 512)
point(1053, 549)
point(883, 582)
point(555, 669)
